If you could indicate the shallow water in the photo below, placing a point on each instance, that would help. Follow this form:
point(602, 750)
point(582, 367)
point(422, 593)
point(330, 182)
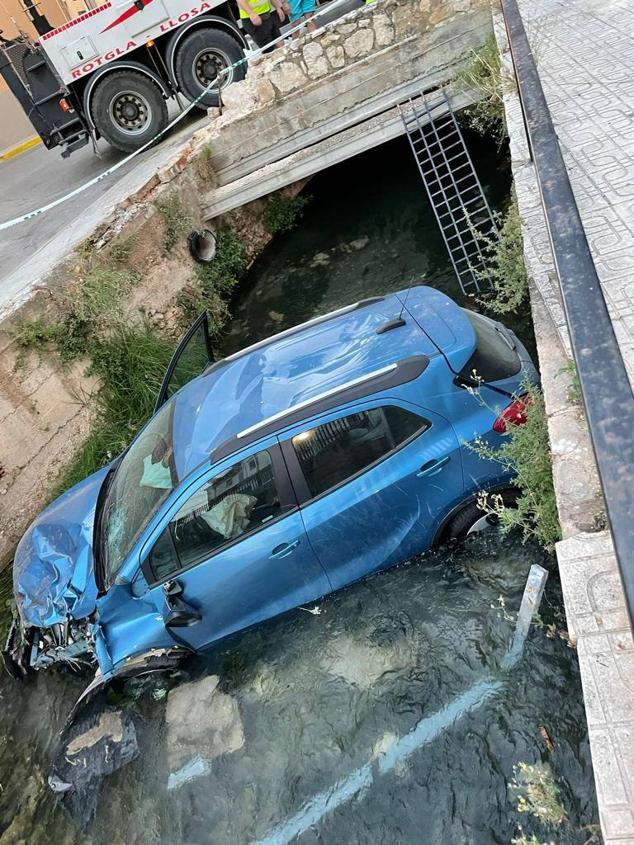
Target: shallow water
point(386, 717)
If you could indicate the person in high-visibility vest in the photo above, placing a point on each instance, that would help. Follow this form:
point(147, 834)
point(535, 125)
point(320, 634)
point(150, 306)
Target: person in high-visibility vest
point(261, 19)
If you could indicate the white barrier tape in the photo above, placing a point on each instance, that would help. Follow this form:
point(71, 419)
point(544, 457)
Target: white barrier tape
point(8, 224)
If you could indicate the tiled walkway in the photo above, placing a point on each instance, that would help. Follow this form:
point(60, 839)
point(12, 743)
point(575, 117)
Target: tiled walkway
point(584, 51)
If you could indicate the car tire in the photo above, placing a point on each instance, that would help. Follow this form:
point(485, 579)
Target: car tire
point(129, 109)
point(472, 520)
point(200, 56)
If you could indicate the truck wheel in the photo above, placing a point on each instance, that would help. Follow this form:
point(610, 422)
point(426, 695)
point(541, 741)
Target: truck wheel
point(199, 59)
point(128, 109)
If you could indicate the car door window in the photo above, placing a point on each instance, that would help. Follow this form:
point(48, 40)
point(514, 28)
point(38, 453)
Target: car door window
point(335, 451)
point(235, 502)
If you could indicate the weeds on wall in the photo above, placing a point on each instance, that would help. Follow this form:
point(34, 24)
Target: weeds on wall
point(283, 212)
point(526, 453)
point(504, 255)
point(212, 284)
point(482, 74)
point(178, 220)
point(127, 356)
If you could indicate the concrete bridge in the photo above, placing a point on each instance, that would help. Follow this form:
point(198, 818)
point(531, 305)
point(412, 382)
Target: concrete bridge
point(336, 94)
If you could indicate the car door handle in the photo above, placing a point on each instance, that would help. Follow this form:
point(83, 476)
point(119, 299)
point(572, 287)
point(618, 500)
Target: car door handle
point(432, 467)
point(284, 549)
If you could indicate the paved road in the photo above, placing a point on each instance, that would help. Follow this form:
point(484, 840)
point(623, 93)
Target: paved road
point(39, 176)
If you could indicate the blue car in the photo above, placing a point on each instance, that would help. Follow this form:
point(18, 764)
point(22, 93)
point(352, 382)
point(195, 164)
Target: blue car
point(279, 474)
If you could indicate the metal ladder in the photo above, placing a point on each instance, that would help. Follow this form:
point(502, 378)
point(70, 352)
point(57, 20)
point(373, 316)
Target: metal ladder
point(452, 186)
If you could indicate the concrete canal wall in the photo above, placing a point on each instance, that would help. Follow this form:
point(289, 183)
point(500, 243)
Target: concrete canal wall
point(322, 85)
point(585, 64)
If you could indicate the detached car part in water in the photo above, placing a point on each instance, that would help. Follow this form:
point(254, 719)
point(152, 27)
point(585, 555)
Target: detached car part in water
point(268, 479)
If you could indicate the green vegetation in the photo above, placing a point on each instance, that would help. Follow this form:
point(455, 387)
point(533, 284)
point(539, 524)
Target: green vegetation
point(482, 74)
point(504, 253)
point(574, 385)
point(126, 356)
point(91, 305)
point(178, 220)
point(130, 363)
point(537, 793)
point(212, 283)
point(283, 212)
point(526, 452)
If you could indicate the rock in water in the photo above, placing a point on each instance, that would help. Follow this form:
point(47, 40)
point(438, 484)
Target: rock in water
point(202, 723)
point(90, 749)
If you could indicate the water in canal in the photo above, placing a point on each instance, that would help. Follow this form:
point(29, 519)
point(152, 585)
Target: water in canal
point(384, 717)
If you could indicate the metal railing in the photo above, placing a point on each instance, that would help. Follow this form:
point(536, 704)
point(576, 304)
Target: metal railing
point(605, 387)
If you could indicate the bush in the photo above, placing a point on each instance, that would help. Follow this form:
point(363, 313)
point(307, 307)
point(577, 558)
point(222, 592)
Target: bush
point(284, 212)
point(504, 256)
point(526, 452)
point(482, 74)
point(91, 307)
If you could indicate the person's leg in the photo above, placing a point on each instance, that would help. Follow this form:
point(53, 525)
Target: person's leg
point(296, 15)
point(308, 10)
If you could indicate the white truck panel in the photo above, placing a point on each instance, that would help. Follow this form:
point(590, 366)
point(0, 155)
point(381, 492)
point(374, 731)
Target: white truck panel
point(117, 28)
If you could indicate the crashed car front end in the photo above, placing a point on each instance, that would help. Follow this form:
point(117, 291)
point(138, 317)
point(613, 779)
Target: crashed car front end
point(54, 585)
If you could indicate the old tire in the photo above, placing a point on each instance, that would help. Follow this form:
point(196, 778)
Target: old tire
point(129, 110)
point(199, 59)
point(472, 520)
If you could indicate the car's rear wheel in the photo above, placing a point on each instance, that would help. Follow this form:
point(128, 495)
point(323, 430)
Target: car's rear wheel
point(129, 110)
point(201, 57)
point(473, 520)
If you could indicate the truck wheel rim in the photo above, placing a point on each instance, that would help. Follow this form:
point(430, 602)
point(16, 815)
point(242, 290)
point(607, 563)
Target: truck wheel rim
point(208, 64)
point(130, 112)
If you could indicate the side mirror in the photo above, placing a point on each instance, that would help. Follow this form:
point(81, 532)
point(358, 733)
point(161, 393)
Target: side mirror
point(180, 615)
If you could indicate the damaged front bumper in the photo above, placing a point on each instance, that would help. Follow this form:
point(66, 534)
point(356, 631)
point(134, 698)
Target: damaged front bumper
point(70, 643)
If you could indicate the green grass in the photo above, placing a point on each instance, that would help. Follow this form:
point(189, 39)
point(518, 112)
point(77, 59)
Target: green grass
point(177, 219)
point(130, 364)
point(91, 306)
point(526, 452)
point(283, 212)
point(482, 74)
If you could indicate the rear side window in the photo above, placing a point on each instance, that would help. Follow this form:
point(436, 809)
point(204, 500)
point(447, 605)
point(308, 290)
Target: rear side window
point(493, 358)
point(335, 451)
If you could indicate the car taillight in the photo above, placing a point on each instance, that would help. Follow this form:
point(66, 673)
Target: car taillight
point(516, 414)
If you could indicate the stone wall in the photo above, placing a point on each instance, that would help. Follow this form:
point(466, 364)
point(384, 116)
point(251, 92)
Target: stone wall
point(347, 64)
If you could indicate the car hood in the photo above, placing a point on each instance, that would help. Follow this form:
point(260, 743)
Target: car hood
point(53, 571)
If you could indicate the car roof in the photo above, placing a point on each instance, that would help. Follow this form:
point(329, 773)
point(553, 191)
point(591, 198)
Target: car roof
point(300, 364)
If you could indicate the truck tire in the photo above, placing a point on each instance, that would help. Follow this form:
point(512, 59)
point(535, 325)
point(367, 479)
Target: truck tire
point(200, 56)
point(128, 109)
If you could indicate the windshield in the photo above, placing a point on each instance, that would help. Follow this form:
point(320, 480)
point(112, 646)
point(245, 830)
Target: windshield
point(143, 480)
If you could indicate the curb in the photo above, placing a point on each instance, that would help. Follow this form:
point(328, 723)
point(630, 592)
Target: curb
point(20, 148)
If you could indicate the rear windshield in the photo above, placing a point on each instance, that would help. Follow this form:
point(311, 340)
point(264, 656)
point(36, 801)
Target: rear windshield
point(493, 358)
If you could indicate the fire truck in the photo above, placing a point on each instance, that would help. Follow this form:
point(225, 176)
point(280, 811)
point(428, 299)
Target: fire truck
point(110, 71)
